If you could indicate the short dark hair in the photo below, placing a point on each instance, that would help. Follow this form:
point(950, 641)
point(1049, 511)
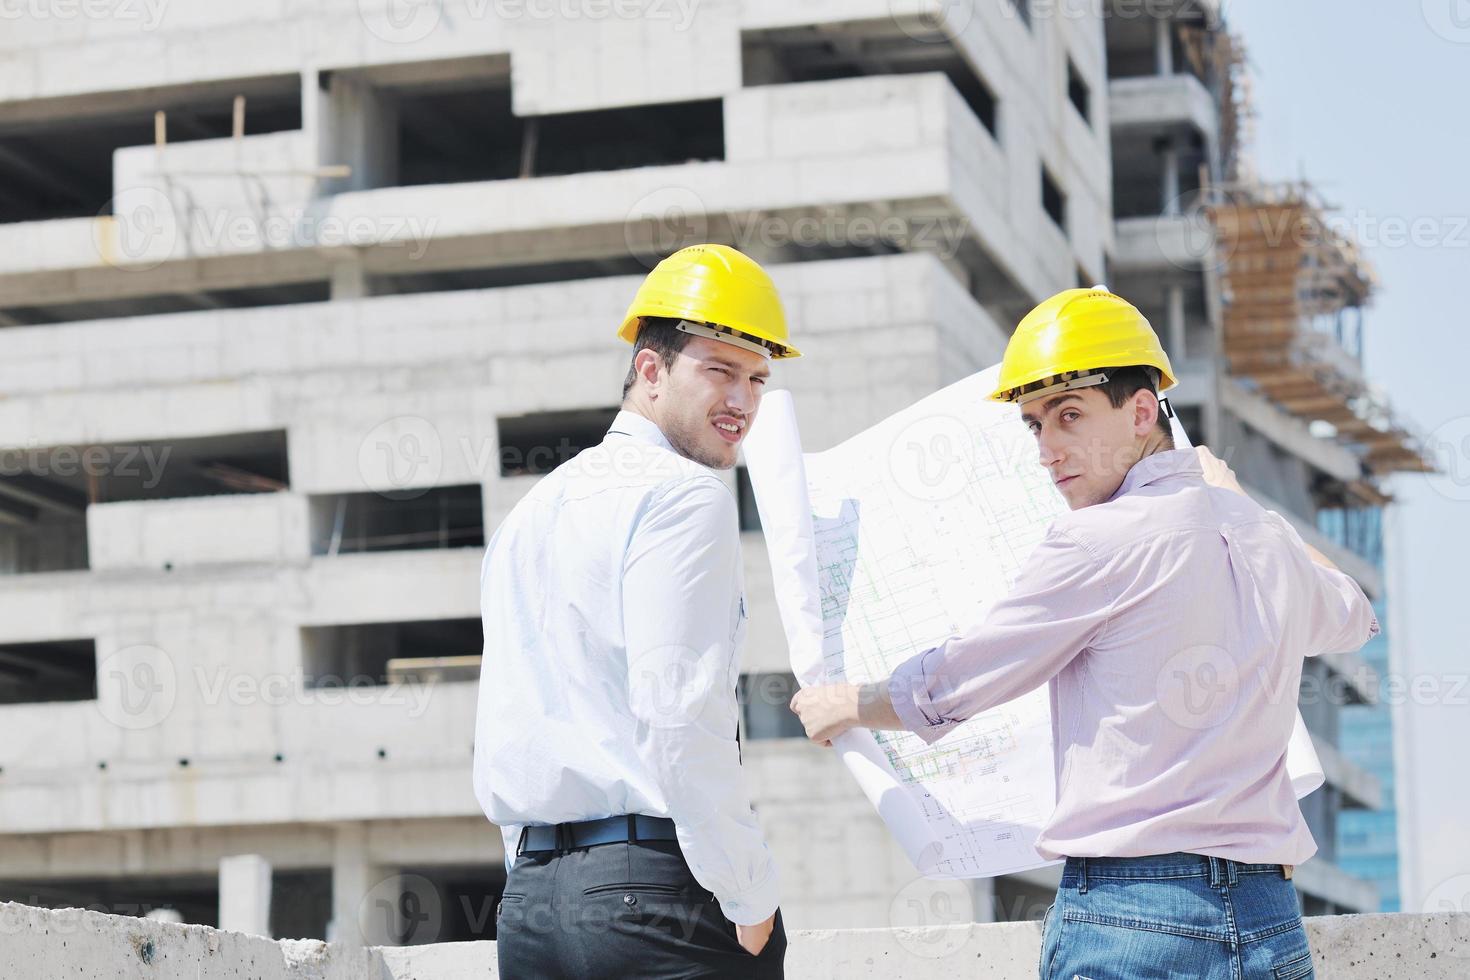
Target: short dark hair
point(660, 335)
point(1125, 382)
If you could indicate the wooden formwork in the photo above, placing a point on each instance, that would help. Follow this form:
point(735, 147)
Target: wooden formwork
point(1282, 266)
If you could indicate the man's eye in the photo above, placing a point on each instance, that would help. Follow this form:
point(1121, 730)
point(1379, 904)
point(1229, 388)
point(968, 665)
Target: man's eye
point(759, 381)
point(720, 370)
point(1071, 416)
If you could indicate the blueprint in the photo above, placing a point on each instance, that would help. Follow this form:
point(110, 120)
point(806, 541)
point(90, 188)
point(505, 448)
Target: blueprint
point(906, 533)
point(886, 546)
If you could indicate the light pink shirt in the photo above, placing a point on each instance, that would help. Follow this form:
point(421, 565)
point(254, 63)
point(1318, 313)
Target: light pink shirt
point(1171, 622)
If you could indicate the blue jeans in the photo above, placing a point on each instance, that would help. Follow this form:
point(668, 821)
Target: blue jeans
point(1174, 915)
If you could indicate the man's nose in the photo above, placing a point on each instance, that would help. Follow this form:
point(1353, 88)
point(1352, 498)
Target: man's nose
point(742, 397)
point(1048, 450)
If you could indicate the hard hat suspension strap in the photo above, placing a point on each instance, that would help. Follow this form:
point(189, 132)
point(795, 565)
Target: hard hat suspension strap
point(726, 335)
point(1056, 384)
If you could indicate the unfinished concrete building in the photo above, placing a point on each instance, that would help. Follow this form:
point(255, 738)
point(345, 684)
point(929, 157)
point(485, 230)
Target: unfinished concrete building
point(297, 307)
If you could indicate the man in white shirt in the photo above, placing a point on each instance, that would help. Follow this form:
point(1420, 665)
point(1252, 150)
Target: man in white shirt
point(613, 606)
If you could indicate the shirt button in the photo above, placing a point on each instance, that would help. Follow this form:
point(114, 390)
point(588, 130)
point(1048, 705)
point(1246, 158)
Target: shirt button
point(630, 900)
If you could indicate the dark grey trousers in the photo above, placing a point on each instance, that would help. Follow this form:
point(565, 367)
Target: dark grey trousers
point(619, 910)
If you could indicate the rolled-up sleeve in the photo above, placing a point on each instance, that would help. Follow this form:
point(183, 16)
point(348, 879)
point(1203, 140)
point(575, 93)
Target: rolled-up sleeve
point(1059, 604)
point(681, 580)
point(1333, 611)
point(1340, 617)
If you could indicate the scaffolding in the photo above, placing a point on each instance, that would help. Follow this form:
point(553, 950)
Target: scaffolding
point(1294, 289)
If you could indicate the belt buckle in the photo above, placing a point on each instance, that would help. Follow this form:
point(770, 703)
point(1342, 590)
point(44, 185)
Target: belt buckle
point(1287, 870)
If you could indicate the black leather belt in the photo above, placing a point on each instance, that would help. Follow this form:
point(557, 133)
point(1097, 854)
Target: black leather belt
point(590, 833)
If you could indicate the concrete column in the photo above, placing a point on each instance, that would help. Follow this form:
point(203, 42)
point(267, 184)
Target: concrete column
point(359, 128)
point(357, 919)
point(349, 280)
point(1174, 295)
point(1169, 186)
point(1163, 46)
point(245, 894)
point(982, 891)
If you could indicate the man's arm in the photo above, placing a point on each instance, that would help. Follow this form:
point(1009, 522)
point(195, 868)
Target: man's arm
point(680, 580)
point(1059, 604)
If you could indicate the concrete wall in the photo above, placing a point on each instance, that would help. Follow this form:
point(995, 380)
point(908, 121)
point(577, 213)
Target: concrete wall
point(40, 943)
point(169, 534)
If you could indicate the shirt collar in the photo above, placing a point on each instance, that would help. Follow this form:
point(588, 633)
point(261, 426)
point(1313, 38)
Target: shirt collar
point(636, 426)
point(1160, 466)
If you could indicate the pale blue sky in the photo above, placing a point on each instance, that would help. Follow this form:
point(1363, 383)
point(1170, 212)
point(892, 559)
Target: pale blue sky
point(1372, 102)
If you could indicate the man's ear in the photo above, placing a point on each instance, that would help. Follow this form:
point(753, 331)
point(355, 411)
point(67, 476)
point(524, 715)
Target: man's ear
point(1145, 411)
point(649, 368)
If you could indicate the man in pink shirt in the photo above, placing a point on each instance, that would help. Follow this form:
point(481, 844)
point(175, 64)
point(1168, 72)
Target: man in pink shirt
point(1169, 614)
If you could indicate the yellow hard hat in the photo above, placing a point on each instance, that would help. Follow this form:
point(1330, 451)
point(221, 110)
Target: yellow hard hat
point(1064, 341)
point(719, 292)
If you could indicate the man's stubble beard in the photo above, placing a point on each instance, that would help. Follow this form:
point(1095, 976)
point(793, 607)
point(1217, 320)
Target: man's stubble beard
point(686, 443)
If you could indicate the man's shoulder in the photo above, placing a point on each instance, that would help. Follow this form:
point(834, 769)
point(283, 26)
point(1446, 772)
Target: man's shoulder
point(1136, 517)
point(629, 468)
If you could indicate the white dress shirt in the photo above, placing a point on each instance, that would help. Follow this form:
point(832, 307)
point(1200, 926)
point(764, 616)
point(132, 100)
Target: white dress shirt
point(613, 607)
